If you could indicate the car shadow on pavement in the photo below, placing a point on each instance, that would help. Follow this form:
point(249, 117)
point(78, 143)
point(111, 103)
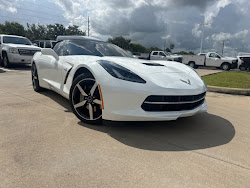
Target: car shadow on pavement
point(193, 133)
point(58, 99)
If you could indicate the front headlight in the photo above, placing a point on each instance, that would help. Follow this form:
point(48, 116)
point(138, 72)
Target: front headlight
point(13, 50)
point(120, 72)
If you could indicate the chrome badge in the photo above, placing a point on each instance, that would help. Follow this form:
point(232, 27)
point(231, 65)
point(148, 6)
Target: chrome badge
point(186, 82)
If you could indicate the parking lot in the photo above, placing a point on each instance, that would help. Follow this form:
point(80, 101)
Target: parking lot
point(43, 144)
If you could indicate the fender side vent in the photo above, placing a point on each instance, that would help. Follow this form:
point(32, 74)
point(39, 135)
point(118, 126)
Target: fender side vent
point(153, 64)
point(67, 75)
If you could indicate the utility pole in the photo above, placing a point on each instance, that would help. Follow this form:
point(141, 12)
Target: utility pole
point(223, 45)
point(202, 36)
point(164, 47)
point(88, 26)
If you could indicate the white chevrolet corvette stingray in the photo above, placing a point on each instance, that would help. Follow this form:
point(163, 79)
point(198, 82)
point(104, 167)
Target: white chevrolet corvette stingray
point(102, 81)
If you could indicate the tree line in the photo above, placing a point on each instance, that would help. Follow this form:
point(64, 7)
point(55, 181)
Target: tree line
point(39, 32)
point(51, 31)
point(138, 48)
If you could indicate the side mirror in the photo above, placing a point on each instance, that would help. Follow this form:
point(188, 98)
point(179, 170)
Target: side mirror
point(34, 44)
point(49, 51)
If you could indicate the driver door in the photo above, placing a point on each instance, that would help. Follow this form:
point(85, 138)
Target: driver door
point(51, 69)
point(213, 60)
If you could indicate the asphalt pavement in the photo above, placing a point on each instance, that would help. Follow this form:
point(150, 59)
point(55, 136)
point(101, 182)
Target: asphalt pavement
point(43, 144)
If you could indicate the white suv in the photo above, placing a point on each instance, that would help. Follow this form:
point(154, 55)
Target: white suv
point(16, 49)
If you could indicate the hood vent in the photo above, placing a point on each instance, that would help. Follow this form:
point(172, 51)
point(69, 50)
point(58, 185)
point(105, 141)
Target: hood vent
point(153, 64)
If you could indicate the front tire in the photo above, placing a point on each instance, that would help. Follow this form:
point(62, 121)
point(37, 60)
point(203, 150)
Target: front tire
point(6, 62)
point(85, 100)
point(225, 66)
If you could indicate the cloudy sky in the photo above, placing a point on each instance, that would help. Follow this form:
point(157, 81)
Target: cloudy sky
point(148, 22)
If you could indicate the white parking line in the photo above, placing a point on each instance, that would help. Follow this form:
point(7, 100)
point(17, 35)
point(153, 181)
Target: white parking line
point(7, 70)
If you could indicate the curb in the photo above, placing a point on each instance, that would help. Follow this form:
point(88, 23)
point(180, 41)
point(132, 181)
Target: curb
point(233, 91)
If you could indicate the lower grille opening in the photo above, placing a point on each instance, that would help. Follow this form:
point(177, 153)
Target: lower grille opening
point(172, 103)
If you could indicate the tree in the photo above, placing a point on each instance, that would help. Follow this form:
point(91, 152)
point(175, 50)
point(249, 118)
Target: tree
point(121, 42)
point(34, 32)
point(12, 28)
point(137, 48)
point(153, 49)
point(74, 30)
point(185, 53)
point(50, 32)
point(171, 46)
point(168, 50)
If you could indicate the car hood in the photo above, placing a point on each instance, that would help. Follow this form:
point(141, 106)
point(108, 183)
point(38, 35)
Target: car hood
point(166, 74)
point(22, 46)
point(169, 74)
point(146, 67)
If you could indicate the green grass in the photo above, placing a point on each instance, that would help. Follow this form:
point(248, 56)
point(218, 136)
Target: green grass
point(228, 79)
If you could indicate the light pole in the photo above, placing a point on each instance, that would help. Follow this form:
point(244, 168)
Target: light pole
point(223, 45)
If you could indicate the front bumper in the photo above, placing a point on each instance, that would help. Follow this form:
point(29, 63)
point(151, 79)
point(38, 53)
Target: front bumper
point(234, 65)
point(123, 101)
point(141, 115)
point(17, 58)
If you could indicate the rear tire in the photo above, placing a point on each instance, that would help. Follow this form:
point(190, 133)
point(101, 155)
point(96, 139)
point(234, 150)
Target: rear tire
point(35, 80)
point(85, 99)
point(225, 66)
point(192, 64)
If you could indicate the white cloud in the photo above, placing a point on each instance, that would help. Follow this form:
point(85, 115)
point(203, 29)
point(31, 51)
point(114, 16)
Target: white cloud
point(213, 11)
point(9, 5)
point(227, 36)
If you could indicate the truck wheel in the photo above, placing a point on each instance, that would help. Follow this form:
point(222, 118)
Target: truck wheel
point(242, 68)
point(6, 62)
point(191, 64)
point(225, 66)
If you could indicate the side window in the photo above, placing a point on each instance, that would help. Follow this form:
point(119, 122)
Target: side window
point(162, 54)
point(59, 48)
point(155, 53)
point(212, 55)
point(41, 44)
point(37, 43)
point(217, 56)
point(47, 44)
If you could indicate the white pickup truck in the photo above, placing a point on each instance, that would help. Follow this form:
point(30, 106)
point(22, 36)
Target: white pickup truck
point(16, 49)
point(161, 55)
point(210, 59)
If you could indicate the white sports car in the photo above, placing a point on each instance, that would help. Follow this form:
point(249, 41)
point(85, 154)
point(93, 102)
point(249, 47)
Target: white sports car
point(102, 81)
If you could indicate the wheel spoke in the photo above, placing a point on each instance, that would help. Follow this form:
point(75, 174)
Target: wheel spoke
point(80, 104)
point(81, 90)
point(93, 89)
point(90, 112)
point(97, 101)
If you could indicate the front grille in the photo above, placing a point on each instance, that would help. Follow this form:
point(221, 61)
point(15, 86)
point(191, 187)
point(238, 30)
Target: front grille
point(156, 103)
point(27, 52)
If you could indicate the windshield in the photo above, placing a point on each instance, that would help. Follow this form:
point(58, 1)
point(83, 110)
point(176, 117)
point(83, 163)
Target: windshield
point(16, 40)
point(95, 48)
